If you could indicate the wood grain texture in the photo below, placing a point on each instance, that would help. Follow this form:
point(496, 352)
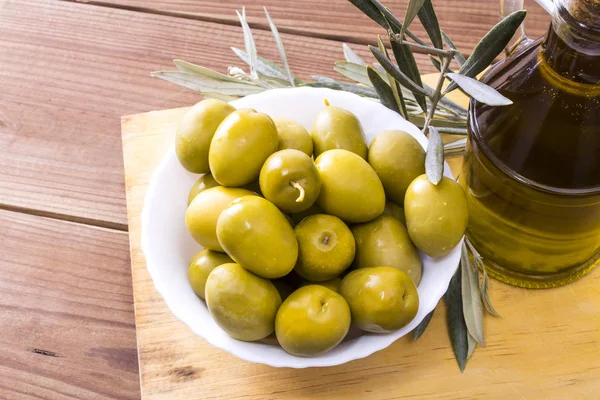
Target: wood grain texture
point(465, 21)
point(67, 325)
point(545, 346)
point(69, 71)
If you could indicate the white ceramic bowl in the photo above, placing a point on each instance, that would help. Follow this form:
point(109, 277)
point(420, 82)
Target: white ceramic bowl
point(168, 247)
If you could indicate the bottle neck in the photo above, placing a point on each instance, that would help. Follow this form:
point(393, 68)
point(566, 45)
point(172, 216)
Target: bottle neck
point(572, 46)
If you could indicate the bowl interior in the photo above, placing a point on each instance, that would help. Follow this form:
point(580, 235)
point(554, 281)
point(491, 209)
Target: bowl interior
point(168, 247)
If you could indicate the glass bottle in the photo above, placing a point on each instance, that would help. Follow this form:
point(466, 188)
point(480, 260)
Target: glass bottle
point(532, 169)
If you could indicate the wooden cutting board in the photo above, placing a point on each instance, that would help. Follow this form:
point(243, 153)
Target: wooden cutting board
point(546, 346)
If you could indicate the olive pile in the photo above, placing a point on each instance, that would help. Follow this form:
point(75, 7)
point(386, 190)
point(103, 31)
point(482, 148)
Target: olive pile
point(281, 230)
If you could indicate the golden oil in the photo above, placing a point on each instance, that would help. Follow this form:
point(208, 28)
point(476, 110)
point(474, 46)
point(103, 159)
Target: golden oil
point(532, 169)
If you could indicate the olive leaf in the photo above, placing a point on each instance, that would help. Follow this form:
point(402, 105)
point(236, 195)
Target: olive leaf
point(456, 321)
point(430, 23)
point(263, 66)
point(471, 344)
point(384, 91)
point(219, 96)
point(485, 281)
point(190, 68)
point(472, 308)
point(420, 329)
point(396, 89)
point(352, 71)
point(479, 91)
point(352, 57)
point(434, 158)
point(395, 72)
point(326, 82)
point(249, 41)
point(413, 8)
point(457, 55)
point(280, 48)
point(206, 84)
point(492, 44)
point(408, 65)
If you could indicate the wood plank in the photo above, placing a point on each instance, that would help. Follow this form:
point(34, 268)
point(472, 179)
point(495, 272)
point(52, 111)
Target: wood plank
point(67, 324)
point(465, 21)
point(544, 347)
point(69, 71)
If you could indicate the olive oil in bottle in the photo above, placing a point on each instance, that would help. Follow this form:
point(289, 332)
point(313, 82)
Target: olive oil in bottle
point(532, 169)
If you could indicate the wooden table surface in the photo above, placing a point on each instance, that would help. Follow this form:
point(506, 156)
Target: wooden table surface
point(68, 71)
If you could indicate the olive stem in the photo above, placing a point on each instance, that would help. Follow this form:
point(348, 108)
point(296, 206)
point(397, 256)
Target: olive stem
point(299, 188)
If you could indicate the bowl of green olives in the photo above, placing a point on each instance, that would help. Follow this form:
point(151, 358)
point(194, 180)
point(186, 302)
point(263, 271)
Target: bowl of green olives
point(296, 227)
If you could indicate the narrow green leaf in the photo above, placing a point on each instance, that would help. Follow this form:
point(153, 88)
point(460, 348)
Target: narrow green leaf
point(485, 297)
point(391, 22)
point(322, 81)
point(434, 158)
point(408, 65)
point(492, 44)
point(457, 144)
point(456, 321)
point(265, 67)
point(190, 68)
point(352, 57)
point(431, 24)
point(419, 120)
point(249, 41)
point(205, 84)
point(479, 91)
point(458, 55)
point(413, 8)
point(420, 329)
point(219, 96)
point(472, 308)
point(396, 90)
point(395, 72)
point(384, 91)
point(352, 71)
point(436, 63)
point(471, 344)
point(280, 47)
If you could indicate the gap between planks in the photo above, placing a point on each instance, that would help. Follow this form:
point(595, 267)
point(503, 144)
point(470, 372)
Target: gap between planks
point(66, 217)
point(223, 21)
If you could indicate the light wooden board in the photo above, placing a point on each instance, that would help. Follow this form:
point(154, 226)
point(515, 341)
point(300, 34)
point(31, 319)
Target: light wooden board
point(465, 21)
point(546, 346)
point(67, 326)
point(69, 71)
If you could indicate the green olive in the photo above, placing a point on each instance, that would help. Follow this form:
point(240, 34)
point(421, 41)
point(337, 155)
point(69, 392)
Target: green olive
point(312, 321)
point(394, 210)
point(241, 303)
point(350, 189)
point(202, 214)
point(385, 242)
point(436, 215)
point(292, 135)
point(195, 132)
point(201, 266)
point(204, 182)
point(290, 180)
point(258, 237)
point(398, 158)
point(242, 143)
point(336, 128)
point(326, 247)
point(381, 299)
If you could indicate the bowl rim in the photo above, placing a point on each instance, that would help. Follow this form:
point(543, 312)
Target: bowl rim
point(385, 340)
